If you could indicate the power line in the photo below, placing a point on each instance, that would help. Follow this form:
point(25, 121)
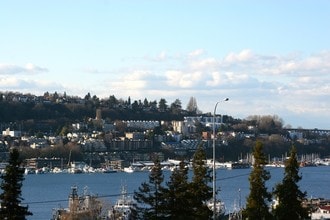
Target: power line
point(244, 174)
point(65, 200)
point(233, 177)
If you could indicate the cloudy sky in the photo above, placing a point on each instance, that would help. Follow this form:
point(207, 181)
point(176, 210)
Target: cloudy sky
point(267, 57)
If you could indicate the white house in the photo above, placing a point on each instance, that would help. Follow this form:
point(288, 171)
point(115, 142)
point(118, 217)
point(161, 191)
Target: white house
point(323, 212)
point(10, 133)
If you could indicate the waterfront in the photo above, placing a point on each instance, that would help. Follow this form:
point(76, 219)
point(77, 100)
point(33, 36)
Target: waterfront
point(43, 192)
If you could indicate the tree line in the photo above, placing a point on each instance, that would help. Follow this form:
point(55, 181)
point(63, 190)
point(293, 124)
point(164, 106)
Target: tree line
point(53, 111)
point(184, 198)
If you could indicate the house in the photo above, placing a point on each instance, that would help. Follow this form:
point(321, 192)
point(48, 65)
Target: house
point(10, 133)
point(135, 135)
point(322, 212)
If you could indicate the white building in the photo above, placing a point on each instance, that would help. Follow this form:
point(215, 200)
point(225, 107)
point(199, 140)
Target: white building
point(10, 133)
point(189, 124)
point(323, 212)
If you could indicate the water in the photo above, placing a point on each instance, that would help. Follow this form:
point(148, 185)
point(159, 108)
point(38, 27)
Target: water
point(43, 192)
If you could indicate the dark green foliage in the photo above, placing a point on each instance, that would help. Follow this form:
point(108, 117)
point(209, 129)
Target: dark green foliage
point(256, 205)
point(200, 189)
point(11, 190)
point(176, 107)
point(181, 199)
point(288, 193)
point(45, 114)
point(178, 195)
point(150, 196)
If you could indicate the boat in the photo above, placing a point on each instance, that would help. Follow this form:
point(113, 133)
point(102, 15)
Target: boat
point(220, 209)
point(76, 167)
point(85, 207)
point(29, 170)
point(108, 170)
point(129, 169)
point(122, 210)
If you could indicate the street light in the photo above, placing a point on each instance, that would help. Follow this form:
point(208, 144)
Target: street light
point(214, 179)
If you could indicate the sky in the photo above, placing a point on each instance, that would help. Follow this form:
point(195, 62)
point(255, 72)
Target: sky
point(268, 57)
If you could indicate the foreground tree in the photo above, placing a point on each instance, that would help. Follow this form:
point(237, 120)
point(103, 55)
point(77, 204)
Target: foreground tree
point(177, 195)
point(257, 205)
point(288, 194)
point(150, 195)
point(12, 181)
point(200, 186)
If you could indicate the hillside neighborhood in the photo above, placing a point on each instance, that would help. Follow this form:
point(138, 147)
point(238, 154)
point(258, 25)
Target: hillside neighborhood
point(100, 140)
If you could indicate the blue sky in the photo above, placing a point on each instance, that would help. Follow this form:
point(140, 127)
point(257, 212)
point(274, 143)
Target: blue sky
point(268, 57)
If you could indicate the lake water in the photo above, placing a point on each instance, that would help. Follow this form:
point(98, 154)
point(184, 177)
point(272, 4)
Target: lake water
point(43, 192)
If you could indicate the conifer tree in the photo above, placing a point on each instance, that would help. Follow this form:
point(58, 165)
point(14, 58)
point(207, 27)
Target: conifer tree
point(177, 194)
point(12, 181)
point(256, 205)
point(201, 192)
point(288, 193)
point(150, 195)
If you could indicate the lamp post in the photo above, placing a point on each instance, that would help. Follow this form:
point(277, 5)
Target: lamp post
point(214, 179)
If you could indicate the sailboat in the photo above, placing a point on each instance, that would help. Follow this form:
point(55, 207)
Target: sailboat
point(123, 207)
point(220, 208)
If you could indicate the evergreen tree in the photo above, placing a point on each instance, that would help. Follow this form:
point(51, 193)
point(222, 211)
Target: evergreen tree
point(201, 192)
point(256, 205)
point(112, 101)
point(177, 194)
point(11, 185)
point(145, 103)
point(150, 196)
point(288, 193)
point(162, 105)
point(176, 107)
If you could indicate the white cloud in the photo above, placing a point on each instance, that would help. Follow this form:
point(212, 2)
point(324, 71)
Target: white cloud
point(184, 80)
point(37, 86)
point(93, 70)
point(231, 80)
point(9, 69)
point(236, 78)
point(207, 63)
point(129, 85)
point(9, 82)
point(132, 84)
point(295, 64)
point(215, 80)
point(305, 79)
point(162, 56)
point(319, 62)
point(196, 53)
point(243, 56)
point(137, 75)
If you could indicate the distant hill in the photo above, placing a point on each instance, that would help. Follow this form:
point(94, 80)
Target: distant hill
point(48, 113)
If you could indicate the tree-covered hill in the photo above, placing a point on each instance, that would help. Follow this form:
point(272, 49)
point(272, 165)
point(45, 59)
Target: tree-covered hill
point(52, 111)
